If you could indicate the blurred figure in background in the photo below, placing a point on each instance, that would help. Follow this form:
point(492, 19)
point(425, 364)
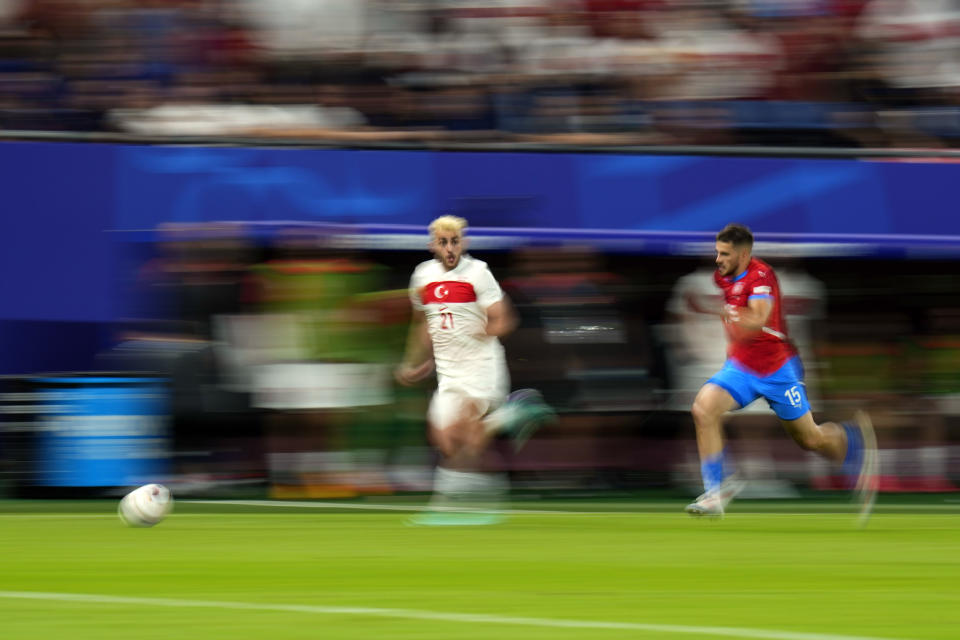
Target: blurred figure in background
point(197, 278)
point(387, 440)
point(762, 362)
point(459, 314)
point(939, 403)
point(311, 362)
point(695, 340)
point(867, 359)
point(924, 401)
point(583, 342)
point(574, 330)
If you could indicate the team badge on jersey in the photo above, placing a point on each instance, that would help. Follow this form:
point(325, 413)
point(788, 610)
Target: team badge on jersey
point(448, 291)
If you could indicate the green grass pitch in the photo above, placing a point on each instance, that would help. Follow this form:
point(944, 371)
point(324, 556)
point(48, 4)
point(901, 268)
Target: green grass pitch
point(211, 571)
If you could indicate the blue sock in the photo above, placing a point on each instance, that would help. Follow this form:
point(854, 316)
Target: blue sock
point(854, 457)
point(713, 470)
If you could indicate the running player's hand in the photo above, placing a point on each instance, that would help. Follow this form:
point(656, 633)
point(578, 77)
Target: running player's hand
point(408, 375)
point(730, 314)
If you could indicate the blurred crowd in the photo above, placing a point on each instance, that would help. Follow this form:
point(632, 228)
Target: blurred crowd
point(852, 73)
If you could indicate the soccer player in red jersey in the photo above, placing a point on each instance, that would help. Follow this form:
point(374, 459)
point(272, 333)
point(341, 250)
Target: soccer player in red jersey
point(762, 362)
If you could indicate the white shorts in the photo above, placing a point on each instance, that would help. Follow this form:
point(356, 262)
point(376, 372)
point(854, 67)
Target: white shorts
point(447, 403)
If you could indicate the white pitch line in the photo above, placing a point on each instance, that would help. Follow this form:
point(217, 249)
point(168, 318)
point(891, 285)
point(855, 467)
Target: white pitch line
point(831, 509)
point(414, 614)
point(362, 506)
point(840, 512)
point(89, 516)
point(366, 506)
point(50, 516)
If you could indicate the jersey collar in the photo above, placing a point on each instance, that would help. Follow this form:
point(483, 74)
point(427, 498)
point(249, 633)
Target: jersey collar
point(739, 277)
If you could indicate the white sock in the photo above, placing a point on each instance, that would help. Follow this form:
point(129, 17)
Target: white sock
point(446, 482)
point(468, 488)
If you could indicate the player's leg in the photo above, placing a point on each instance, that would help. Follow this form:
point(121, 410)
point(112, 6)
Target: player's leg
point(728, 389)
point(458, 435)
point(828, 439)
point(474, 436)
point(520, 416)
point(851, 444)
point(517, 415)
point(461, 486)
point(488, 485)
point(455, 428)
point(711, 403)
point(787, 395)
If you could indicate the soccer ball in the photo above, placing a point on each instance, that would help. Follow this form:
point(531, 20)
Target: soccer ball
point(145, 506)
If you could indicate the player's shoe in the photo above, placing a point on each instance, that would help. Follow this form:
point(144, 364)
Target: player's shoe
point(712, 504)
point(530, 413)
point(868, 478)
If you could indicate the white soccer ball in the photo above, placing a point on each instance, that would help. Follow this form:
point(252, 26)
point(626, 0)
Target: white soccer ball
point(145, 506)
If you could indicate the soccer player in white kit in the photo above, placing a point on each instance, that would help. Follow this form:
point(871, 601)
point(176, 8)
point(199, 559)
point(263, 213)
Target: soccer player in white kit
point(459, 314)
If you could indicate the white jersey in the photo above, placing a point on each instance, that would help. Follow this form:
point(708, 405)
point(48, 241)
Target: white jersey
point(455, 303)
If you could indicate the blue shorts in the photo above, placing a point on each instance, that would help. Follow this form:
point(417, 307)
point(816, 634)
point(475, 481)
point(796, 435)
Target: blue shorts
point(783, 389)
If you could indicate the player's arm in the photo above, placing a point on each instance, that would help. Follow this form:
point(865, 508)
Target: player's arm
point(501, 318)
point(710, 305)
point(754, 316)
point(417, 362)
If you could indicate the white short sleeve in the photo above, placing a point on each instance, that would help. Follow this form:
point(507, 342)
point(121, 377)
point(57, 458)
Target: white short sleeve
point(487, 289)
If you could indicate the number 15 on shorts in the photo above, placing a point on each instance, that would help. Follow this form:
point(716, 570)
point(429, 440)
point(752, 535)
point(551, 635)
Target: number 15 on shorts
point(794, 397)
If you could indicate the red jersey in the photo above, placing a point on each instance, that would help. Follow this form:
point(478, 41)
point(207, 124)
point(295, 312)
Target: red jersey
point(764, 351)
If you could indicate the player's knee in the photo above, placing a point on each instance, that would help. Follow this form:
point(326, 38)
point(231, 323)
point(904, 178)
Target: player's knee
point(702, 412)
point(443, 440)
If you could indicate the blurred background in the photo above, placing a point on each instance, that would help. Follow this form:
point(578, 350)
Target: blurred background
point(845, 73)
point(212, 209)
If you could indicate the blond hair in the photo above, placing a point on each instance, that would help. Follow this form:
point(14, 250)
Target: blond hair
point(448, 223)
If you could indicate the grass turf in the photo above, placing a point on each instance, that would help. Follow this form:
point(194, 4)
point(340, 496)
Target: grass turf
point(768, 574)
